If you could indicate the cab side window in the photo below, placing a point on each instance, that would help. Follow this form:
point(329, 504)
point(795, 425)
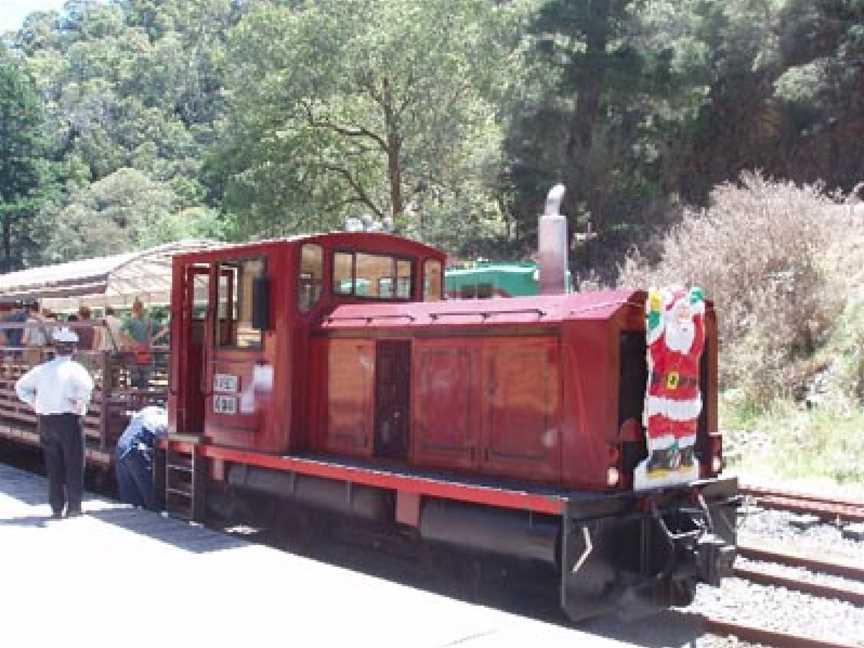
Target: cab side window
point(311, 276)
point(234, 306)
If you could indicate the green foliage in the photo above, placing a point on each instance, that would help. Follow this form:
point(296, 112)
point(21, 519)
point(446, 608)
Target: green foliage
point(126, 85)
point(333, 116)
point(124, 211)
point(818, 445)
point(450, 118)
point(24, 173)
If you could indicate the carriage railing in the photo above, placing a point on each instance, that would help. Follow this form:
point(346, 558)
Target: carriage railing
point(124, 383)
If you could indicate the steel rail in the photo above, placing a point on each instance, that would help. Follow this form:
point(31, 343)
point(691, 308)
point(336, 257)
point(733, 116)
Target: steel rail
point(847, 570)
point(756, 491)
point(821, 507)
point(800, 585)
point(767, 637)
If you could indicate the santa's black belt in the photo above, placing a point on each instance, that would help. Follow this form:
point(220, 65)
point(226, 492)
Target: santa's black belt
point(673, 380)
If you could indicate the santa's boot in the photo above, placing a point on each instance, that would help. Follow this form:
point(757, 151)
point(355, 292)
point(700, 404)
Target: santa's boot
point(657, 461)
point(688, 450)
point(665, 459)
point(687, 456)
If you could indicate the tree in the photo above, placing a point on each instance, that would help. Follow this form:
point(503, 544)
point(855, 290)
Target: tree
point(125, 211)
point(24, 174)
point(822, 91)
point(332, 115)
point(607, 89)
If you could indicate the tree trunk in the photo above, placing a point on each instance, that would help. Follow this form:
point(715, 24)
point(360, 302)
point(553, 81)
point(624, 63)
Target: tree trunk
point(590, 88)
point(394, 174)
point(394, 148)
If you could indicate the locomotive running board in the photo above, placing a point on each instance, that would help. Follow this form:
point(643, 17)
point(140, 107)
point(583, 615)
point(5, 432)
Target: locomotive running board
point(503, 496)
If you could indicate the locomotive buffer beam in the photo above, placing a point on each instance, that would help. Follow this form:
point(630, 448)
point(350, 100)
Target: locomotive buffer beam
point(636, 553)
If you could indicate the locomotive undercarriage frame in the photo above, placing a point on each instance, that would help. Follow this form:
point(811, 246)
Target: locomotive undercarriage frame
point(641, 552)
point(630, 552)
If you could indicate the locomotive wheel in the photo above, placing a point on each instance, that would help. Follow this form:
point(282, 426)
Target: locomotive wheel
point(682, 592)
point(452, 573)
point(299, 528)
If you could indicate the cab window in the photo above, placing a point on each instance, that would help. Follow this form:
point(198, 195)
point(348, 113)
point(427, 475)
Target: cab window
point(403, 279)
point(432, 277)
point(373, 276)
point(343, 273)
point(234, 306)
point(310, 278)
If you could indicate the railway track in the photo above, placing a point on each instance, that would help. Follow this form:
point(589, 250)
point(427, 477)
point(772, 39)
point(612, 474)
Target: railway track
point(828, 509)
point(825, 508)
point(766, 636)
point(779, 639)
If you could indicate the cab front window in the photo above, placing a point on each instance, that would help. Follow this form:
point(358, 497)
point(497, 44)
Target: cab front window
point(311, 276)
point(372, 276)
point(234, 308)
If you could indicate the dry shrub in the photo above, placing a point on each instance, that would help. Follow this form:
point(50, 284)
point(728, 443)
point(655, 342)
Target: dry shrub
point(759, 251)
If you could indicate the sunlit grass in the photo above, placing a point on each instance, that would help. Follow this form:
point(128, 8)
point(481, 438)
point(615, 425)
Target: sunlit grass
point(817, 440)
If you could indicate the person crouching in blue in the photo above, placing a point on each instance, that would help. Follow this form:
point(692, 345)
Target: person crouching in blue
point(134, 456)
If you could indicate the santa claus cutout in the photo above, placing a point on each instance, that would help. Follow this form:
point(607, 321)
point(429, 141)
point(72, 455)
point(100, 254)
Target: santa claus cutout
point(675, 337)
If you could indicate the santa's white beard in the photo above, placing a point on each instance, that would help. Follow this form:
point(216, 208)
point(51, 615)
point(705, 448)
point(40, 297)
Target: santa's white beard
point(679, 338)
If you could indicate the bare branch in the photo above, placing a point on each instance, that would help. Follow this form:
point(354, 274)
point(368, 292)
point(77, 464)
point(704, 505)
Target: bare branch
point(373, 91)
point(339, 204)
point(410, 97)
point(348, 131)
point(362, 196)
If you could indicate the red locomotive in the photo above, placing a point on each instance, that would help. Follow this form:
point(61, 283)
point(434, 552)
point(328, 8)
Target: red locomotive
point(325, 371)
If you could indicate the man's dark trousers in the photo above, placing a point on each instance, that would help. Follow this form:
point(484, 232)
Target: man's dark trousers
point(63, 444)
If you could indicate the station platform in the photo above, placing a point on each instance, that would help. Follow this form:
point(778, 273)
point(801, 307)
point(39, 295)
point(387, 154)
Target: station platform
point(118, 576)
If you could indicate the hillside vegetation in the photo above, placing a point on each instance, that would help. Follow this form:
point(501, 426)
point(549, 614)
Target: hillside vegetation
point(785, 267)
point(129, 122)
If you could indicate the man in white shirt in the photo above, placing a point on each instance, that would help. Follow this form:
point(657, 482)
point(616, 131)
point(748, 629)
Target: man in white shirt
point(59, 392)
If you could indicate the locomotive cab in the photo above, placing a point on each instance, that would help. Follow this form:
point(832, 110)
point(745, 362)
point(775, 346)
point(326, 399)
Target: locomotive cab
point(240, 374)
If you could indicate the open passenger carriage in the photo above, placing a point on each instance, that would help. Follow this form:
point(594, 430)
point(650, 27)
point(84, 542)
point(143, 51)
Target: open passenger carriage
point(99, 282)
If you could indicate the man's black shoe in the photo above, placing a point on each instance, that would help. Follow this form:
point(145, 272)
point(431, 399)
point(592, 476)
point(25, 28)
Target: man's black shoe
point(57, 515)
point(75, 513)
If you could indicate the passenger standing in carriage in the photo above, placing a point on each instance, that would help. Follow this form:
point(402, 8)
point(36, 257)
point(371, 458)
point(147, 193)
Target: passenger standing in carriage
point(86, 335)
point(109, 336)
point(59, 392)
point(35, 335)
point(140, 329)
point(17, 316)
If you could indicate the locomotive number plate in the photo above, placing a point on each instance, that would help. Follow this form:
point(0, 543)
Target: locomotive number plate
point(226, 383)
point(224, 404)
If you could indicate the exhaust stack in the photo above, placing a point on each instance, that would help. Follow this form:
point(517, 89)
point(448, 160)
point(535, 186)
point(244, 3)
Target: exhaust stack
point(552, 244)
